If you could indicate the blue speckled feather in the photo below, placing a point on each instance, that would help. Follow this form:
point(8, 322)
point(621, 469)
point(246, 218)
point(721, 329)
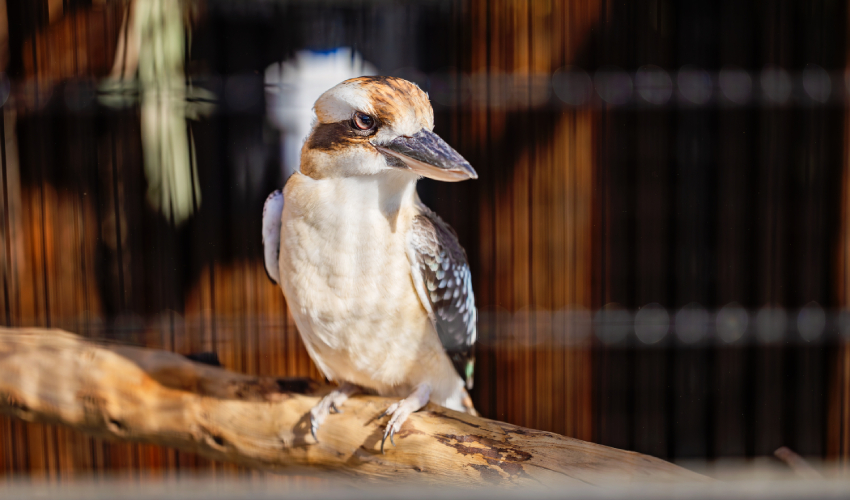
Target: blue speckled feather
point(447, 282)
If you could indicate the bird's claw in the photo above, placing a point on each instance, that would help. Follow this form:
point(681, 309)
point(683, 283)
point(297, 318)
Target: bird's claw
point(388, 432)
point(390, 410)
point(393, 425)
point(314, 426)
point(328, 405)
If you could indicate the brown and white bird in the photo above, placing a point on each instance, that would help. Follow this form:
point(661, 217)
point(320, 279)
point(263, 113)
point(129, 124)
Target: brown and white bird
point(377, 283)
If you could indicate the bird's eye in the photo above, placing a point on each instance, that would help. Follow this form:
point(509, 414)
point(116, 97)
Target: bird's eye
point(363, 121)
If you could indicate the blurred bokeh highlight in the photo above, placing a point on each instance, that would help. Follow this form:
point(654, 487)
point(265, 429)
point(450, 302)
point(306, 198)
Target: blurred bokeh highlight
point(659, 237)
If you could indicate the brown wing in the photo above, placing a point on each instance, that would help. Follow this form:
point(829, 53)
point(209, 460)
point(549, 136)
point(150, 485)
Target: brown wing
point(443, 280)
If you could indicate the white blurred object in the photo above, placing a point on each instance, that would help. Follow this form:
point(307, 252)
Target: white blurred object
point(811, 321)
point(293, 86)
point(651, 323)
point(732, 322)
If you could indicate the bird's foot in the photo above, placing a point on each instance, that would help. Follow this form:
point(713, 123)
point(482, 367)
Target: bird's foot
point(330, 404)
point(401, 410)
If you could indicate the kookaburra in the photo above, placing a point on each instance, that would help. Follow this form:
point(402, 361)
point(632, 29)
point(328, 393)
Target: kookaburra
point(377, 283)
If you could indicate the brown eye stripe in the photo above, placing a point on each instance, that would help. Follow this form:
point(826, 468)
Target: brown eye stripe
point(333, 136)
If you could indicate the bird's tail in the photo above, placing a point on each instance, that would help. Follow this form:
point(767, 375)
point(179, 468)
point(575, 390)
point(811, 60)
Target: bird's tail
point(466, 402)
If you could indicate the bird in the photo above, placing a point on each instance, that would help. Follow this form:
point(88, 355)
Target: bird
point(378, 284)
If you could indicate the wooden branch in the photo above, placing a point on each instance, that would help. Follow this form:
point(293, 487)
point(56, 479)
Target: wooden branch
point(151, 396)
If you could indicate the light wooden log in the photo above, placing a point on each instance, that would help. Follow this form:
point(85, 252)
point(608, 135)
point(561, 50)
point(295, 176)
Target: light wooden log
point(159, 397)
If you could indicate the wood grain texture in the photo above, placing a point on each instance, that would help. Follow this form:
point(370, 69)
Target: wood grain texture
point(533, 260)
point(158, 397)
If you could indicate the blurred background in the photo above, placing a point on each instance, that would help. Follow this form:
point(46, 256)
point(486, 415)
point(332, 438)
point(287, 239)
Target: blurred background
point(659, 237)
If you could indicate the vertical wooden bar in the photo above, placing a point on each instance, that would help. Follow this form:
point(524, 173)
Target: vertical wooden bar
point(838, 410)
point(535, 215)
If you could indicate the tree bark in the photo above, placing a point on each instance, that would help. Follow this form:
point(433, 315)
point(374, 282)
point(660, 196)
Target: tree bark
point(159, 397)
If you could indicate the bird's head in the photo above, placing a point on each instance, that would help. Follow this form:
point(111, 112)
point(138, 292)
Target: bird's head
point(370, 125)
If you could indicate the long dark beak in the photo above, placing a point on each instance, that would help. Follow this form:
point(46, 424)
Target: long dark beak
point(429, 156)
